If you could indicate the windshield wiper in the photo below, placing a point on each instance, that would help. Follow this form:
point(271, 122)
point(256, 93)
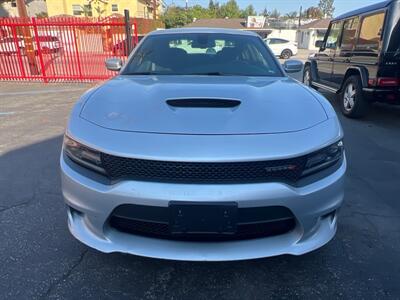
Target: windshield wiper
point(145, 73)
point(211, 74)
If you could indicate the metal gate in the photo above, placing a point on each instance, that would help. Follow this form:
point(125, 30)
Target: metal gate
point(62, 48)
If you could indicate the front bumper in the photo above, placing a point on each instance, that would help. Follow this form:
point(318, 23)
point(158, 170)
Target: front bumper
point(314, 207)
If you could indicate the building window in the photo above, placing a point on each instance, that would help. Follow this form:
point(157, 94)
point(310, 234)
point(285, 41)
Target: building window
point(76, 10)
point(87, 10)
point(114, 7)
point(13, 3)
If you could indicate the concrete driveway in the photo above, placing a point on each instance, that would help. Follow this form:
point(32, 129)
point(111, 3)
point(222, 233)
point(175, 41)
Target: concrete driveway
point(40, 259)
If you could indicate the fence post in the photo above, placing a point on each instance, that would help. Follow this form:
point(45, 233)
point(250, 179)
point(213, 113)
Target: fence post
point(77, 54)
point(39, 50)
point(128, 31)
point(19, 54)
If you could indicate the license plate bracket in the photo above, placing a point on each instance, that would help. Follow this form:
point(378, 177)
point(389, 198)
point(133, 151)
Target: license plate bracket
point(202, 218)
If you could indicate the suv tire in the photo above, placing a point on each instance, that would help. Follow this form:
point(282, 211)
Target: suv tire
point(352, 101)
point(307, 76)
point(286, 54)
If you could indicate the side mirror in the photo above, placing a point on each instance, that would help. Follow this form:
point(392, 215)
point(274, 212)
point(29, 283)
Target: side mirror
point(319, 44)
point(293, 66)
point(114, 64)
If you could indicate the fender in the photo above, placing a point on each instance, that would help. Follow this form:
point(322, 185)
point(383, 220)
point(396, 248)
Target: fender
point(360, 70)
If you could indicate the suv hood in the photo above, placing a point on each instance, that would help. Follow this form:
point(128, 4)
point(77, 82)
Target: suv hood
point(255, 106)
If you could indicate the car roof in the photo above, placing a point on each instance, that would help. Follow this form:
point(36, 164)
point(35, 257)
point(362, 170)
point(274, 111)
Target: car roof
point(365, 9)
point(202, 30)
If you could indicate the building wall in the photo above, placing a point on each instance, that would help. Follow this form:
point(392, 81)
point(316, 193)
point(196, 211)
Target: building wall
point(33, 7)
point(137, 8)
point(287, 34)
point(306, 38)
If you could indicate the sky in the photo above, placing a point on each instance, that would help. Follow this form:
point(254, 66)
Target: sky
point(285, 6)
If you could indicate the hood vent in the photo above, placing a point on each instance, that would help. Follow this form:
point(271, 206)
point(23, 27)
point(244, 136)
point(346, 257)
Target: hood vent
point(203, 102)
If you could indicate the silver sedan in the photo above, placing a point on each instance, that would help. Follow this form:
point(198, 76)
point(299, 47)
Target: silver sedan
point(202, 148)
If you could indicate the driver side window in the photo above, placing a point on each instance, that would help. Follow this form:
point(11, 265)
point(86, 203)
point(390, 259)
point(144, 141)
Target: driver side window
point(333, 37)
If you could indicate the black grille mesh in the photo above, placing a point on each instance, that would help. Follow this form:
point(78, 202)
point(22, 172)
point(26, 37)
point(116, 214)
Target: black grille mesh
point(288, 170)
point(244, 231)
point(152, 221)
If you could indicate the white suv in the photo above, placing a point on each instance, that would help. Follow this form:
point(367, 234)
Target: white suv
point(281, 47)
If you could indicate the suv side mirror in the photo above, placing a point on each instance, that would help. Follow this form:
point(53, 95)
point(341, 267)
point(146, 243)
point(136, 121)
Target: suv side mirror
point(319, 44)
point(114, 64)
point(293, 66)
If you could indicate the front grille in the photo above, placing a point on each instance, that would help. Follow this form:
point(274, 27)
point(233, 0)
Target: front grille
point(152, 221)
point(287, 170)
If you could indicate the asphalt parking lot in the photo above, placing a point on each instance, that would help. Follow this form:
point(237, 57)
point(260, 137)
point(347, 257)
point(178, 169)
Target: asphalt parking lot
point(40, 259)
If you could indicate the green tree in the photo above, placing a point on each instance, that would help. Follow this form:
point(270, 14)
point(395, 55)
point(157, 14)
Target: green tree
point(175, 17)
point(326, 7)
point(198, 12)
point(313, 13)
point(291, 15)
point(249, 11)
point(213, 8)
point(230, 10)
point(275, 14)
point(265, 12)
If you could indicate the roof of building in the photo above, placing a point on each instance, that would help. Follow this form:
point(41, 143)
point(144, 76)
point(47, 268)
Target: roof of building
point(318, 24)
point(365, 9)
point(201, 30)
point(237, 23)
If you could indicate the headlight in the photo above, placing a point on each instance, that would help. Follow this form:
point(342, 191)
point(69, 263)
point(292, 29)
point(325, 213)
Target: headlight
point(324, 158)
point(83, 155)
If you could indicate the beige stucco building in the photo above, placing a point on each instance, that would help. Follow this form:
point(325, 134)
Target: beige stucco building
point(103, 8)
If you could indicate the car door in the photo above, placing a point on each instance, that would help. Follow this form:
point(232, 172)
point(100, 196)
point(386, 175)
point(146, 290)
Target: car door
point(272, 44)
point(325, 56)
point(344, 53)
point(280, 46)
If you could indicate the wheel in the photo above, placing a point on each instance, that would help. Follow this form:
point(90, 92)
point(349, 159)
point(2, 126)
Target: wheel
point(286, 54)
point(307, 76)
point(353, 102)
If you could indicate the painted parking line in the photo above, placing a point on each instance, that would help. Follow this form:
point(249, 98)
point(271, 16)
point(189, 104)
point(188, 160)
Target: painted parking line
point(7, 113)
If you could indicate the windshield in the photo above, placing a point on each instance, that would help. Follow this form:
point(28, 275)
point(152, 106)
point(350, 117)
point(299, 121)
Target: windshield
point(203, 54)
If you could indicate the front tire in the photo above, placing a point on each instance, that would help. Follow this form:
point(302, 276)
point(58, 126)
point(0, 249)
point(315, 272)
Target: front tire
point(352, 100)
point(286, 54)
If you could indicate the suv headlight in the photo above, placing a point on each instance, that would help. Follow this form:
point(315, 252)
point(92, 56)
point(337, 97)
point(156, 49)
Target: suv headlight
point(324, 158)
point(83, 155)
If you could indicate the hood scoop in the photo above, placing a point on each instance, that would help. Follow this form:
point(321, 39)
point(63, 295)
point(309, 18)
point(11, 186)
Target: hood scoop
point(203, 103)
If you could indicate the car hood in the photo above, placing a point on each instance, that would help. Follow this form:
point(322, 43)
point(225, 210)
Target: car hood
point(250, 105)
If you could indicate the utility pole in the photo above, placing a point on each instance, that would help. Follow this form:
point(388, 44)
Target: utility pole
point(301, 9)
point(154, 9)
point(28, 41)
point(128, 31)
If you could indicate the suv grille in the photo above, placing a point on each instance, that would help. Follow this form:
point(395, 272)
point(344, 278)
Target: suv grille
point(288, 170)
